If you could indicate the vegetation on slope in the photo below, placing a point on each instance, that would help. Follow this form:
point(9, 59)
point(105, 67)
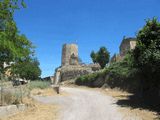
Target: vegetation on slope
point(139, 71)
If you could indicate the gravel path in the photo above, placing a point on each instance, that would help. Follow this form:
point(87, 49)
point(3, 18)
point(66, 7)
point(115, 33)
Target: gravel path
point(83, 104)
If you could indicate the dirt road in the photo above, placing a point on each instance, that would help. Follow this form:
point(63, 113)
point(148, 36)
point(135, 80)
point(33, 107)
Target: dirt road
point(84, 104)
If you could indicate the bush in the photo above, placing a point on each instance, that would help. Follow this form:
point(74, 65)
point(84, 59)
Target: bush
point(120, 74)
point(38, 84)
point(90, 79)
point(147, 56)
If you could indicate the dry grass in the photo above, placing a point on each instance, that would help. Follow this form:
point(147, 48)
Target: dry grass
point(44, 92)
point(47, 92)
point(12, 95)
point(127, 111)
point(36, 111)
point(117, 93)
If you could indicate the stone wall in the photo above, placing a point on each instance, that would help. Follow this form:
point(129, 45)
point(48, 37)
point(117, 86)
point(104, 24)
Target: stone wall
point(70, 68)
point(127, 45)
point(132, 45)
point(94, 66)
point(72, 72)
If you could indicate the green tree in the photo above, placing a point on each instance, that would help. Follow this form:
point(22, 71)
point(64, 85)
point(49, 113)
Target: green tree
point(101, 57)
point(93, 56)
point(147, 55)
point(28, 69)
point(13, 45)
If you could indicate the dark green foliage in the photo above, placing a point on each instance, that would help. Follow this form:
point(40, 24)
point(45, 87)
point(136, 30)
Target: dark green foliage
point(123, 75)
point(147, 55)
point(13, 45)
point(28, 69)
point(120, 74)
point(90, 79)
point(139, 71)
point(86, 80)
point(93, 56)
point(101, 57)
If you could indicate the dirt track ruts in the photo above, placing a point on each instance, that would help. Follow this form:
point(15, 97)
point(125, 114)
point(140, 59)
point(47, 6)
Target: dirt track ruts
point(84, 104)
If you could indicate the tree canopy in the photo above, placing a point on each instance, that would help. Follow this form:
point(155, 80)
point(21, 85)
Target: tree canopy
point(93, 56)
point(28, 69)
point(13, 45)
point(101, 57)
point(147, 54)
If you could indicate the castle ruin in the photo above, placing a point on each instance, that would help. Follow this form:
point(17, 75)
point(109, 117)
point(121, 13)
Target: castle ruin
point(70, 67)
point(126, 45)
point(70, 54)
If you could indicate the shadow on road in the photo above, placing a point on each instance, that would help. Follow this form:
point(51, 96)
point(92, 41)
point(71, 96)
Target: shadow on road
point(149, 103)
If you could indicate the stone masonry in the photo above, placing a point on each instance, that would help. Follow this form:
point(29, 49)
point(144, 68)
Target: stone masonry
point(70, 54)
point(126, 45)
point(70, 67)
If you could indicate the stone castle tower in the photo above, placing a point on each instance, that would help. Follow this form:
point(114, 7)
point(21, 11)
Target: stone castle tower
point(70, 67)
point(69, 54)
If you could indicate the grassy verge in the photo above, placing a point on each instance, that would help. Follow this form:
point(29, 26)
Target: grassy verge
point(38, 84)
point(15, 95)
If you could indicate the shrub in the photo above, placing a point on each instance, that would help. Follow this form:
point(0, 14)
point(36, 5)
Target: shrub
point(120, 74)
point(88, 80)
point(147, 56)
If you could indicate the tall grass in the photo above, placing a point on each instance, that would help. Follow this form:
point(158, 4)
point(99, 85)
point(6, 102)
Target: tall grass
point(10, 95)
point(13, 96)
point(38, 84)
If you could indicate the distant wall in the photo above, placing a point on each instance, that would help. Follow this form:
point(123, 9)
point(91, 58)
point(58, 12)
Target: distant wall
point(72, 72)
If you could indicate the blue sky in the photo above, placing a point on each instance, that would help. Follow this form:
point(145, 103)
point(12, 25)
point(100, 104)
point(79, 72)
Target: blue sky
point(90, 23)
